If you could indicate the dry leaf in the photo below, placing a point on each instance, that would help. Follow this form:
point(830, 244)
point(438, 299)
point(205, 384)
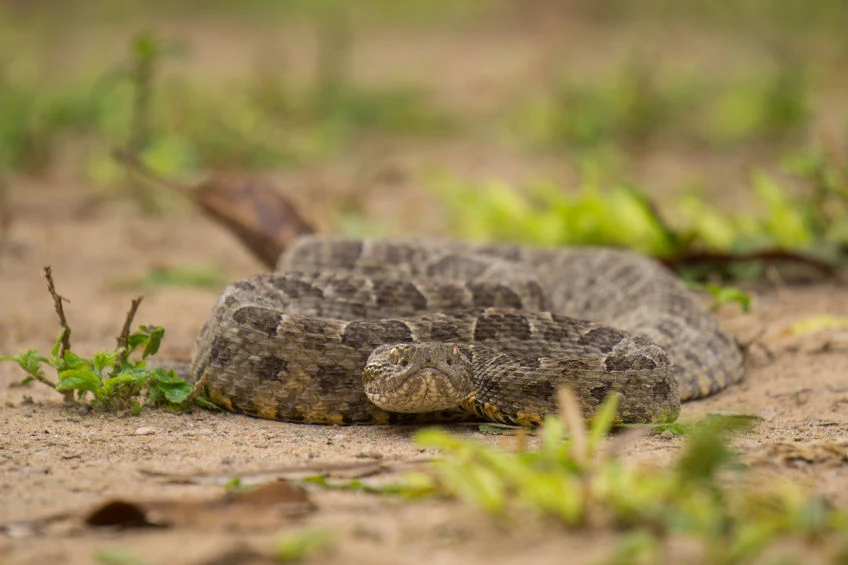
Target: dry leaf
point(264, 220)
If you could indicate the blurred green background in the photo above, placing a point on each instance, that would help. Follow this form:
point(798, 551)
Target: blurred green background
point(541, 121)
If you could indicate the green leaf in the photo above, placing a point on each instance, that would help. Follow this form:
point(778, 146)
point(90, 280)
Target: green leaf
point(85, 380)
point(727, 295)
point(155, 333)
point(74, 361)
point(603, 421)
point(297, 546)
point(55, 351)
point(104, 359)
point(29, 361)
point(786, 222)
point(113, 384)
point(137, 339)
point(817, 324)
point(174, 389)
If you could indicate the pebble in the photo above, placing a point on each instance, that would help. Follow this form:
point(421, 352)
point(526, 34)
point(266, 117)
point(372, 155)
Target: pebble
point(145, 431)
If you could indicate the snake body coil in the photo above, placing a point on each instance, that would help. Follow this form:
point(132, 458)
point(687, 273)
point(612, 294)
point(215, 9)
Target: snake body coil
point(361, 331)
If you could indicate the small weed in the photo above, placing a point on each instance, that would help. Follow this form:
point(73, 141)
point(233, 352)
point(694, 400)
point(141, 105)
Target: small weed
point(810, 228)
point(546, 215)
point(117, 556)
point(726, 295)
point(181, 276)
point(571, 479)
point(294, 547)
point(115, 381)
point(817, 324)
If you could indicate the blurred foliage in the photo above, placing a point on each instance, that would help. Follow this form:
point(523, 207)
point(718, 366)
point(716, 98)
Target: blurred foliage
point(180, 125)
point(606, 211)
point(706, 497)
point(637, 107)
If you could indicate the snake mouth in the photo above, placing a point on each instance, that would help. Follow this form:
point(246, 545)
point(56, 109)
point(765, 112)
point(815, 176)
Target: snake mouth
point(424, 390)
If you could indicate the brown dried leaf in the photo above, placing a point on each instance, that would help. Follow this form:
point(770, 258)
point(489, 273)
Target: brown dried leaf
point(264, 220)
point(263, 507)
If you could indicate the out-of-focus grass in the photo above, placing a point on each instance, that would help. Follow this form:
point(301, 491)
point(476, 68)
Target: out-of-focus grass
point(607, 211)
point(636, 108)
point(264, 121)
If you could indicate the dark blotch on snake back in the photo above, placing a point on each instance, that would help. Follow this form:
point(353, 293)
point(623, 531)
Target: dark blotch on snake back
point(489, 325)
point(448, 331)
point(629, 362)
point(296, 288)
point(540, 390)
point(258, 318)
point(269, 367)
point(599, 391)
point(219, 352)
point(488, 295)
point(369, 333)
point(390, 292)
point(604, 339)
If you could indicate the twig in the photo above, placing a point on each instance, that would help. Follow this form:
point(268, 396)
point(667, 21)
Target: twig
point(353, 468)
point(123, 337)
point(130, 160)
point(65, 344)
point(767, 255)
point(199, 387)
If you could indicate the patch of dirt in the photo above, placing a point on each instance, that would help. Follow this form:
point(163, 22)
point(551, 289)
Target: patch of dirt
point(56, 458)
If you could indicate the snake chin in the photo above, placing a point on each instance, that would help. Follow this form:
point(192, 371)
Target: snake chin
point(416, 378)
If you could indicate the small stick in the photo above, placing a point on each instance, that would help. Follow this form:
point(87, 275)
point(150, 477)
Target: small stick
point(65, 344)
point(123, 337)
point(766, 255)
point(60, 311)
point(199, 388)
point(132, 162)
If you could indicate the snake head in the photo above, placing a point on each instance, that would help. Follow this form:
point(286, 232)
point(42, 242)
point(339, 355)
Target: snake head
point(417, 377)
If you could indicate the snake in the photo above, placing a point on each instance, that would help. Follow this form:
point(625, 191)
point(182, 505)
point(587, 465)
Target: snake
point(416, 330)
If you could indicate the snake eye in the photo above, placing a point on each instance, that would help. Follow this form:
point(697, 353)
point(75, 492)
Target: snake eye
point(394, 355)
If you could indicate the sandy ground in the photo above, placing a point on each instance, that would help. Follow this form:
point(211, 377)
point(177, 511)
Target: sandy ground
point(56, 458)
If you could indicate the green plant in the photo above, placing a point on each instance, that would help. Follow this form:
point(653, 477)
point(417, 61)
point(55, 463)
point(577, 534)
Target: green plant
point(612, 212)
point(296, 546)
point(115, 380)
point(187, 276)
point(599, 213)
point(117, 556)
point(706, 496)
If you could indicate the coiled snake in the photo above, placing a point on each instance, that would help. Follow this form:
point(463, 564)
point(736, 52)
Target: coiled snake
point(366, 331)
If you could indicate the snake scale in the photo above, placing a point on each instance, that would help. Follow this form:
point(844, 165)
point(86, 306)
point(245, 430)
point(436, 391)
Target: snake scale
point(368, 332)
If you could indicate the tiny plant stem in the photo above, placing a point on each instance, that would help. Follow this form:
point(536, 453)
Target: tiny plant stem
point(199, 387)
point(145, 59)
point(572, 417)
point(132, 161)
point(60, 311)
point(65, 344)
point(764, 255)
point(123, 337)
